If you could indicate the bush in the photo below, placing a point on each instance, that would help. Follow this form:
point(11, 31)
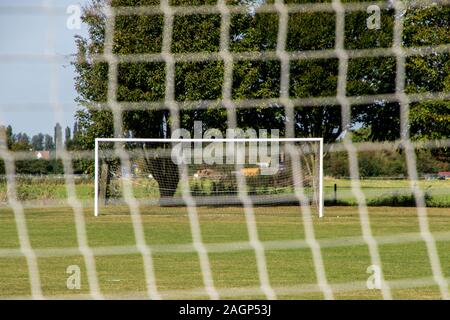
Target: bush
point(399, 200)
point(382, 163)
point(343, 203)
point(196, 189)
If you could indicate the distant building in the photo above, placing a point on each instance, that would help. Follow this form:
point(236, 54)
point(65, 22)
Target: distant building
point(444, 175)
point(44, 155)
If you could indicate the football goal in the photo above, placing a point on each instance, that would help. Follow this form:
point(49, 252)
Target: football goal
point(209, 172)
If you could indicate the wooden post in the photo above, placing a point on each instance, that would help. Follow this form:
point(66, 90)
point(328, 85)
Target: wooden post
point(104, 183)
point(335, 193)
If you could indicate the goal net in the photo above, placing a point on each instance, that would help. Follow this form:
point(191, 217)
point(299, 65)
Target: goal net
point(210, 172)
point(240, 216)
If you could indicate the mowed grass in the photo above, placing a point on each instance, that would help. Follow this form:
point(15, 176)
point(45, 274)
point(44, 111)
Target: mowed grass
point(48, 192)
point(290, 265)
point(437, 190)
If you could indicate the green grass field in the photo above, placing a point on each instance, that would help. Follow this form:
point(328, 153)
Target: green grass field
point(48, 191)
point(373, 189)
point(291, 270)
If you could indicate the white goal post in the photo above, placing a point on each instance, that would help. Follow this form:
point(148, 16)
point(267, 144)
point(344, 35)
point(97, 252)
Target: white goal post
point(116, 146)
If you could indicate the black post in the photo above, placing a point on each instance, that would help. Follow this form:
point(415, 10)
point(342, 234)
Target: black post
point(335, 193)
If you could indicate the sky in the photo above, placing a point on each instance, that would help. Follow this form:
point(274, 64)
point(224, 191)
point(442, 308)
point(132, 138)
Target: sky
point(37, 91)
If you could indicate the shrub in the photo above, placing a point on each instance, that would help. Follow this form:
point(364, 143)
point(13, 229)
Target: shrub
point(399, 200)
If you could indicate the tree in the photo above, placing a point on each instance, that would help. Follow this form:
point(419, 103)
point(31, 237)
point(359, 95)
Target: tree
point(423, 26)
point(429, 73)
point(75, 133)
point(21, 142)
point(255, 32)
point(139, 82)
point(37, 142)
point(9, 136)
point(143, 81)
point(67, 137)
point(58, 136)
point(48, 143)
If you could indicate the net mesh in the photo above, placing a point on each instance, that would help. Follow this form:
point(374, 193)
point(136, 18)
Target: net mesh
point(212, 176)
point(186, 189)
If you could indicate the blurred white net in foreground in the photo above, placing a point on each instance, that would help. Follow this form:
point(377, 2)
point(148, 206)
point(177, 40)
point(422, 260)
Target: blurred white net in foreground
point(125, 165)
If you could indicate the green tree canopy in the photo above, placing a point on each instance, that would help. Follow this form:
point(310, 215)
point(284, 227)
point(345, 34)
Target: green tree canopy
point(145, 82)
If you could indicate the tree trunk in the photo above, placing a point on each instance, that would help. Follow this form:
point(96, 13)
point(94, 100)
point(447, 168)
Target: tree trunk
point(105, 183)
point(166, 174)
